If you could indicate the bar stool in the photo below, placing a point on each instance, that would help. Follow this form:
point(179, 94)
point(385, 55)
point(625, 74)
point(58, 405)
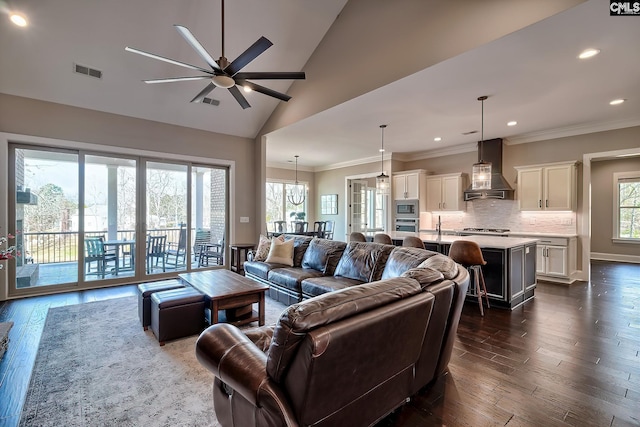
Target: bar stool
point(382, 238)
point(356, 236)
point(412, 242)
point(469, 255)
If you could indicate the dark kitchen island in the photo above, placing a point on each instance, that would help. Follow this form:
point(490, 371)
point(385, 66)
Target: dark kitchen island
point(510, 273)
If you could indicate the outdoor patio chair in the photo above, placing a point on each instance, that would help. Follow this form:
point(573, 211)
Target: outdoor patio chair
point(211, 251)
point(156, 251)
point(177, 252)
point(202, 237)
point(95, 253)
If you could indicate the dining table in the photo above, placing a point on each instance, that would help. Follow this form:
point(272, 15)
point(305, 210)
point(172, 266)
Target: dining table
point(119, 246)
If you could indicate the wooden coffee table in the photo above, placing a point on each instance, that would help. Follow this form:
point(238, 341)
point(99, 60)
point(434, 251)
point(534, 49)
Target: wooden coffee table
point(229, 291)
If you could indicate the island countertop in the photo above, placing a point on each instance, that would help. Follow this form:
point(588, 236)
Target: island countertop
point(496, 242)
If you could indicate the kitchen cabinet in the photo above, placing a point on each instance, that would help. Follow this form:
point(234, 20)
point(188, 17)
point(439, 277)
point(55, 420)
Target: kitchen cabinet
point(444, 192)
point(409, 185)
point(550, 187)
point(556, 259)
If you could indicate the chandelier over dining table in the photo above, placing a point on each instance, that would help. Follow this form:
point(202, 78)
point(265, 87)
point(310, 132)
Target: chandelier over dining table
point(296, 192)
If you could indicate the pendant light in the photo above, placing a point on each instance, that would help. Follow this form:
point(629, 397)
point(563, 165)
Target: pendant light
point(481, 171)
point(383, 183)
point(295, 195)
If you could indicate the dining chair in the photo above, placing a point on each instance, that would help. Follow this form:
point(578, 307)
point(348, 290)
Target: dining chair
point(177, 252)
point(299, 227)
point(329, 226)
point(318, 228)
point(156, 251)
point(279, 226)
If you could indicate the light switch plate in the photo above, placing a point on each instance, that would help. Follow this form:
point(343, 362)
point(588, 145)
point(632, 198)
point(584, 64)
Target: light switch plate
point(244, 219)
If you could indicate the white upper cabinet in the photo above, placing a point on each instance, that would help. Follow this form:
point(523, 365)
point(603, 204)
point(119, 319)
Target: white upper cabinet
point(550, 187)
point(444, 192)
point(409, 185)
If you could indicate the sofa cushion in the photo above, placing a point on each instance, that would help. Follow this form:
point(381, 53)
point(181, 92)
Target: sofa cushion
point(281, 252)
point(264, 244)
point(259, 268)
point(300, 318)
point(425, 275)
point(402, 259)
point(320, 285)
point(300, 246)
point(323, 255)
point(291, 277)
point(361, 259)
point(443, 264)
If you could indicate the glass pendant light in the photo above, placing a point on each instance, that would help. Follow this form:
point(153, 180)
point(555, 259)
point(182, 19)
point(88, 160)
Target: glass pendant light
point(383, 182)
point(481, 171)
point(295, 195)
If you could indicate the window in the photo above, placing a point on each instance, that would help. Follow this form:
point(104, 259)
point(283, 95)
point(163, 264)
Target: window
point(627, 205)
point(278, 208)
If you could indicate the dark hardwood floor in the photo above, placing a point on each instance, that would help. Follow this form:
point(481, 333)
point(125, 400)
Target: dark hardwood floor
point(569, 357)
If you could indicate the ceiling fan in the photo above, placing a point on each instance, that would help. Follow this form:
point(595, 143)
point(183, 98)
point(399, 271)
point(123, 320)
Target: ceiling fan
point(225, 74)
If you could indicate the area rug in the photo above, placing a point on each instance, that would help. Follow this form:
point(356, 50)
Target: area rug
point(97, 367)
point(4, 336)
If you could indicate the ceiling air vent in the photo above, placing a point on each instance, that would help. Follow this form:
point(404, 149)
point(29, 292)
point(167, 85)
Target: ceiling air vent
point(210, 101)
point(470, 132)
point(91, 72)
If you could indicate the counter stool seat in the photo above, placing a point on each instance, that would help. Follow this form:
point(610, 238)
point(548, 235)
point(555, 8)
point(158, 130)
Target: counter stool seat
point(177, 313)
point(144, 297)
point(469, 255)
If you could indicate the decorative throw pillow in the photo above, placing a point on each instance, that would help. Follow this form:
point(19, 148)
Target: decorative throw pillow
point(263, 249)
point(281, 252)
point(425, 275)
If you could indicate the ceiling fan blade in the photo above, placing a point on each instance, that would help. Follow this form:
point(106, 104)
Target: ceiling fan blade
point(263, 90)
point(162, 58)
point(177, 79)
point(248, 55)
point(195, 44)
point(239, 97)
point(204, 92)
point(271, 75)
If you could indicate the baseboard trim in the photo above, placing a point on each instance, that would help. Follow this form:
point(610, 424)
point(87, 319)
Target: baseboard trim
point(634, 259)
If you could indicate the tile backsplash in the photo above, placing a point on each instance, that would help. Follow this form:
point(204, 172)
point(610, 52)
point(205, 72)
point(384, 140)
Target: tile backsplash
point(491, 213)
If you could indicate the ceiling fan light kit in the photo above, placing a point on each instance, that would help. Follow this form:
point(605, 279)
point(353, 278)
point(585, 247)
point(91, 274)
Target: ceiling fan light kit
point(225, 74)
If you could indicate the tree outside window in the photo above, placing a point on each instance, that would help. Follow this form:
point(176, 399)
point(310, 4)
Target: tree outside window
point(628, 205)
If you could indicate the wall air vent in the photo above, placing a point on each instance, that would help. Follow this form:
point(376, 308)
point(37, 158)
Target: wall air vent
point(210, 101)
point(91, 72)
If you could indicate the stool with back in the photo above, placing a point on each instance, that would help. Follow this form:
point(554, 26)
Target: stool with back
point(469, 255)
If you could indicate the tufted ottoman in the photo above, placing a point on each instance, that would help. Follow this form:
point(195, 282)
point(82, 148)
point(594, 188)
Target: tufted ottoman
point(177, 313)
point(145, 290)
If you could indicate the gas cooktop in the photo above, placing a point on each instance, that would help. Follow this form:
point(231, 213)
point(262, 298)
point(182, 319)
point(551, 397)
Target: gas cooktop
point(487, 230)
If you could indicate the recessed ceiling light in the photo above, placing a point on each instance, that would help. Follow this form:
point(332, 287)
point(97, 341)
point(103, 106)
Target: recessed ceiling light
point(512, 123)
point(437, 139)
point(616, 102)
point(18, 19)
point(588, 53)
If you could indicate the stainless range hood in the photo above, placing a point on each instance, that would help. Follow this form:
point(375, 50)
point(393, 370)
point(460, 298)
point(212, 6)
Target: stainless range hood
point(500, 188)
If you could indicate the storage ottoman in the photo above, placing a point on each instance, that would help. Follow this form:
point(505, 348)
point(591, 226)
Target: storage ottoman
point(144, 297)
point(177, 313)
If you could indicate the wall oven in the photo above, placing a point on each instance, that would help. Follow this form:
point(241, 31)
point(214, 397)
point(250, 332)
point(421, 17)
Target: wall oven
point(408, 224)
point(407, 209)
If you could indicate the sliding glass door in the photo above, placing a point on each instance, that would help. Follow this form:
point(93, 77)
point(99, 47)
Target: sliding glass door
point(86, 219)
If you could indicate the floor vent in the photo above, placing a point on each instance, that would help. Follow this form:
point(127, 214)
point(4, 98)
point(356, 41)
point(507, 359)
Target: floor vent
point(210, 101)
point(91, 72)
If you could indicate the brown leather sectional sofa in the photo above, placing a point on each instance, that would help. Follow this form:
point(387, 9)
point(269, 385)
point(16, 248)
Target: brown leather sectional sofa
point(378, 331)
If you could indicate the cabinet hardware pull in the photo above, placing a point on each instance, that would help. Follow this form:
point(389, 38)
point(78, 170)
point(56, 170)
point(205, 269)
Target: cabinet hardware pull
point(540, 203)
point(546, 203)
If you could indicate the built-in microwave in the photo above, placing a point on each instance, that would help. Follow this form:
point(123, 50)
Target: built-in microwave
point(407, 209)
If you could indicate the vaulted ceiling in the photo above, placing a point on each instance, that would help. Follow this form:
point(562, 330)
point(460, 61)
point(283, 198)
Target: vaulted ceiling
point(531, 75)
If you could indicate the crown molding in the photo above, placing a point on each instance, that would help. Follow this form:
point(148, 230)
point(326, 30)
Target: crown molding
point(291, 166)
point(351, 163)
point(439, 152)
point(563, 132)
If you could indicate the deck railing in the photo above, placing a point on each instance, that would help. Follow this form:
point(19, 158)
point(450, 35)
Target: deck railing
point(55, 247)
